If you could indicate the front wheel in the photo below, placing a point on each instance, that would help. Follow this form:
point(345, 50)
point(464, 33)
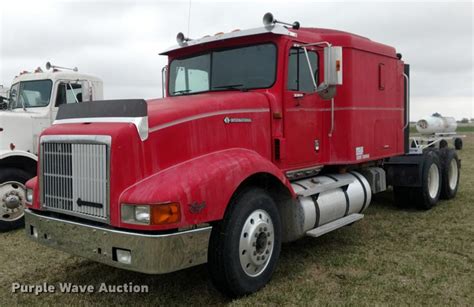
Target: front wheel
point(12, 198)
point(246, 244)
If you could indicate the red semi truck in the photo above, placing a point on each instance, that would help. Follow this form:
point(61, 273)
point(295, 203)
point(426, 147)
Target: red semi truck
point(266, 135)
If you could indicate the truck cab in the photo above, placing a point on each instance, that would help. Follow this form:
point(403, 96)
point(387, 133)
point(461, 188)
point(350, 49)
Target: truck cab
point(32, 105)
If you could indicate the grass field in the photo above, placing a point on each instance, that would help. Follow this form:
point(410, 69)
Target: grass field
point(391, 257)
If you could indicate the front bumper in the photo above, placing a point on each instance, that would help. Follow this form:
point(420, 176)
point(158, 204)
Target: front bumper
point(152, 254)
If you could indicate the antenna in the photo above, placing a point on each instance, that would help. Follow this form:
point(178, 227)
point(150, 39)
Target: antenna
point(189, 16)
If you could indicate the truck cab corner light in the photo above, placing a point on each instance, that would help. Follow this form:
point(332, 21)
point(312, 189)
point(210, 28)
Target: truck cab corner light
point(165, 214)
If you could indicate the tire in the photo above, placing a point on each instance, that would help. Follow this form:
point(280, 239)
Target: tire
point(458, 143)
point(443, 144)
point(12, 182)
point(403, 196)
point(428, 194)
point(450, 172)
point(237, 246)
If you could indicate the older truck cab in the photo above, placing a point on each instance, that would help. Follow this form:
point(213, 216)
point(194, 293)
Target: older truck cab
point(29, 107)
point(266, 135)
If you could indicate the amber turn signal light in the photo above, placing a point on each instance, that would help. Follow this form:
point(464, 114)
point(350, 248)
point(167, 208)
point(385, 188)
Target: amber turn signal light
point(165, 213)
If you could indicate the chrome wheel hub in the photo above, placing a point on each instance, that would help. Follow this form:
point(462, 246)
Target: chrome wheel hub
point(453, 174)
point(12, 201)
point(256, 243)
point(433, 180)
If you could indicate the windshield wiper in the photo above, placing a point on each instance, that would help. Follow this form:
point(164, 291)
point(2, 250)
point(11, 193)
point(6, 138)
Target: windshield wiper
point(181, 92)
point(237, 87)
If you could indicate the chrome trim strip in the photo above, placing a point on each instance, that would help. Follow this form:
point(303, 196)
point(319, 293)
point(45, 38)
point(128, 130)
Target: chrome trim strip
point(141, 123)
point(204, 115)
point(275, 29)
point(77, 139)
point(152, 254)
point(344, 109)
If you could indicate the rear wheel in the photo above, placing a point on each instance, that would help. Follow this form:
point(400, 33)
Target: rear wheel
point(427, 195)
point(245, 245)
point(458, 143)
point(443, 144)
point(12, 198)
point(450, 173)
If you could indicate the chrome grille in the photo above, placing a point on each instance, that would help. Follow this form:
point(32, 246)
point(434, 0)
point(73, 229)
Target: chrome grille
point(75, 178)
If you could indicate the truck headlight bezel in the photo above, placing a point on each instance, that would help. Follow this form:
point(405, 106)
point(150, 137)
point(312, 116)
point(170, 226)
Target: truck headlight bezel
point(156, 214)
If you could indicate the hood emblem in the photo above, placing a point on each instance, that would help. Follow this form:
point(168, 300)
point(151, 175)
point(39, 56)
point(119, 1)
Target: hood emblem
point(230, 120)
point(196, 207)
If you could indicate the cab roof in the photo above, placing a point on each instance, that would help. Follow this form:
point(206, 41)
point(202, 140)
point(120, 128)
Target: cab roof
point(305, 35)
point(55, 75)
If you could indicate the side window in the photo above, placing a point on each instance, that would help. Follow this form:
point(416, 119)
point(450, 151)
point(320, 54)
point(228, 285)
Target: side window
point(198, 80)
point(68, 93)
point(192, 75)
point(299, 74)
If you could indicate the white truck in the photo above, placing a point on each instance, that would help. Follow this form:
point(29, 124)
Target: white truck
point(3, 96)
point(30, 106)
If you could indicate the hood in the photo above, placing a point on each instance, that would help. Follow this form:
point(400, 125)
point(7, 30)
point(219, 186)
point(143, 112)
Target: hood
point(22, 128)
point(181, 108)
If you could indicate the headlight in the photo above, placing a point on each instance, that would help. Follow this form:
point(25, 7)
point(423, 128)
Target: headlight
point(142, 214)
point(151, 214)
point(29, 196)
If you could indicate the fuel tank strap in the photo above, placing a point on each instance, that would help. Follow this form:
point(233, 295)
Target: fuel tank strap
point(363, 188)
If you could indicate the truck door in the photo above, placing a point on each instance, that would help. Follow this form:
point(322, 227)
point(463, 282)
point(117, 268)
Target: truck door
point(67, 92)
point(302, 119)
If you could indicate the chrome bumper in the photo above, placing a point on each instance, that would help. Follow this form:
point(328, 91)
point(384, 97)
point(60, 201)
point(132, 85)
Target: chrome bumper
point(152, 254)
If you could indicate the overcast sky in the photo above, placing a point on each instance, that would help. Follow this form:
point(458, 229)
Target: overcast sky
point(119, 41)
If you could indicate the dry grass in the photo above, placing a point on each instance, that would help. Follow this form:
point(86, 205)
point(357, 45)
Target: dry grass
point(392, 257)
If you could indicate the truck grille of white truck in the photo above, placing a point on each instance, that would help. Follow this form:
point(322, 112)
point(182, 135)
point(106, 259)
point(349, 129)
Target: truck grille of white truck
point(75, 179)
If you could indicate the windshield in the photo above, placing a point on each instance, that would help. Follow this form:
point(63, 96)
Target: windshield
point(238, 68)
point(30, 94)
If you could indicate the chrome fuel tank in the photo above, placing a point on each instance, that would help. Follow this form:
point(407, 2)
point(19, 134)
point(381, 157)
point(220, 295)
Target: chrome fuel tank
point(330, 204)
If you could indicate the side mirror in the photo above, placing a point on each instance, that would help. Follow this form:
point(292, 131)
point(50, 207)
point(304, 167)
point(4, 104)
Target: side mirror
point(332, 72)
point(333, 66)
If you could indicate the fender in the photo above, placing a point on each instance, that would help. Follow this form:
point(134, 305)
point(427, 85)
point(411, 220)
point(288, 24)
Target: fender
point(17, 153)
point(203, 186)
